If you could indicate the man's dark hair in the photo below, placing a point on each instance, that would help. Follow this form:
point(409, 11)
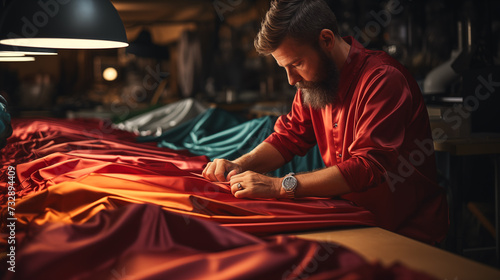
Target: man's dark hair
point(301, 20)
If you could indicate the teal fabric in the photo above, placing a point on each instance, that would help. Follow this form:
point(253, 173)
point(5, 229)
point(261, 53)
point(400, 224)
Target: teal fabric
point(220, 134)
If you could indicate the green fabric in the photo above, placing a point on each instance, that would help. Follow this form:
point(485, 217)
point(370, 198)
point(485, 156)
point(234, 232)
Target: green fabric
point(220, 134)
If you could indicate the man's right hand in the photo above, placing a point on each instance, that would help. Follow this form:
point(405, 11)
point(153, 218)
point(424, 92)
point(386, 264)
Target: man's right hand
point(221, 170)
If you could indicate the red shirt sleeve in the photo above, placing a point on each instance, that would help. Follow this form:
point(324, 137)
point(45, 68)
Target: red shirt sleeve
point(384, 107)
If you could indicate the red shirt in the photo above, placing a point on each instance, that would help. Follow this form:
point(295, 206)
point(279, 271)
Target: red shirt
point(377, 133)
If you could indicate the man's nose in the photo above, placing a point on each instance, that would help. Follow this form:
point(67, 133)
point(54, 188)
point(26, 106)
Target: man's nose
point(293, 77)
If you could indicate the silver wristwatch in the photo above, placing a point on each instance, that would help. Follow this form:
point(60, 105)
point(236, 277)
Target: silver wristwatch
point(289, 184)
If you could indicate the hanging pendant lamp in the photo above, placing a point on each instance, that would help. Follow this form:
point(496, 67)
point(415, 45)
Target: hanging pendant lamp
point(6, 50)
point(16, 58)
point(62, 24)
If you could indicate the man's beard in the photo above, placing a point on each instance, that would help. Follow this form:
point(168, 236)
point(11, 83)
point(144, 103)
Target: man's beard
point(322, 92)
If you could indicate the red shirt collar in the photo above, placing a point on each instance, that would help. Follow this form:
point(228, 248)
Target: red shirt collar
point(352, 66)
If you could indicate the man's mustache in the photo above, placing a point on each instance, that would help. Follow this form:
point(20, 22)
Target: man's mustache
point(305, 85)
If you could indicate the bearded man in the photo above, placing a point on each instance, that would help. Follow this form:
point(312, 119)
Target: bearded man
point(364, 111)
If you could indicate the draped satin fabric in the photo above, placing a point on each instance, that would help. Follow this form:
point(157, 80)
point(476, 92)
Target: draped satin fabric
point(159, 120)
point(91, 203)
point(143, 241)
point(220, 134)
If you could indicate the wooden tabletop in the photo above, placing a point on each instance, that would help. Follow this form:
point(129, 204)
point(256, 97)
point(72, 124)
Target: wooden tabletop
point(376, 244)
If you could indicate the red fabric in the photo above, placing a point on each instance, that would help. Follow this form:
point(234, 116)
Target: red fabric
point(91, 204)
point(378, 134)
point(143, 241)
point(101, 170)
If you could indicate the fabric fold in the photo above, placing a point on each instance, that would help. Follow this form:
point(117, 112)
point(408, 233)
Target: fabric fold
point(143, 241)
point(219, 134)
point(90, 203)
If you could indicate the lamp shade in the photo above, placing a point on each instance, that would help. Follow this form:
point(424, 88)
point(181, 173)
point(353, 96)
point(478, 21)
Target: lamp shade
point(6, 53)
point(16, 58)
point(17, 51)
point(62, 24)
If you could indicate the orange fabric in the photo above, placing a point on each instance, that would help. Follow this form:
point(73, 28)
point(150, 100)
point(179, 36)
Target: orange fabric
point(92, 204)
point(78, 200)
point(143, 241)
point(103, 172)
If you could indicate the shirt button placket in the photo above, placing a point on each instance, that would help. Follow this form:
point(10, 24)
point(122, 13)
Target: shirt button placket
point(335, 125)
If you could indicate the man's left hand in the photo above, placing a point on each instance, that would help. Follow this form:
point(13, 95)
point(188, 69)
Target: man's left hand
point(250, 184)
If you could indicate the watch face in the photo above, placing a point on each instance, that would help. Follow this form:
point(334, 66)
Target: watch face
point(289, 183)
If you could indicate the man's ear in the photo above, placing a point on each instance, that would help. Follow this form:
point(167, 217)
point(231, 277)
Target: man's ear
point(326, 40)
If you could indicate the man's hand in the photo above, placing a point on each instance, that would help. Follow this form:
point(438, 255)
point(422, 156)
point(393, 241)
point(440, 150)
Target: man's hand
point(264, 158)
point(254, 185)
point(221, 170)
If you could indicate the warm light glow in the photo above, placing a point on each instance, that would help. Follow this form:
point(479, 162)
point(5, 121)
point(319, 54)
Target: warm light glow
point(6, 50)
point(11, 53)
point(110, 74)
point(23, 53)
point(16, 58)
point(60, 43)
point(39, 53)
